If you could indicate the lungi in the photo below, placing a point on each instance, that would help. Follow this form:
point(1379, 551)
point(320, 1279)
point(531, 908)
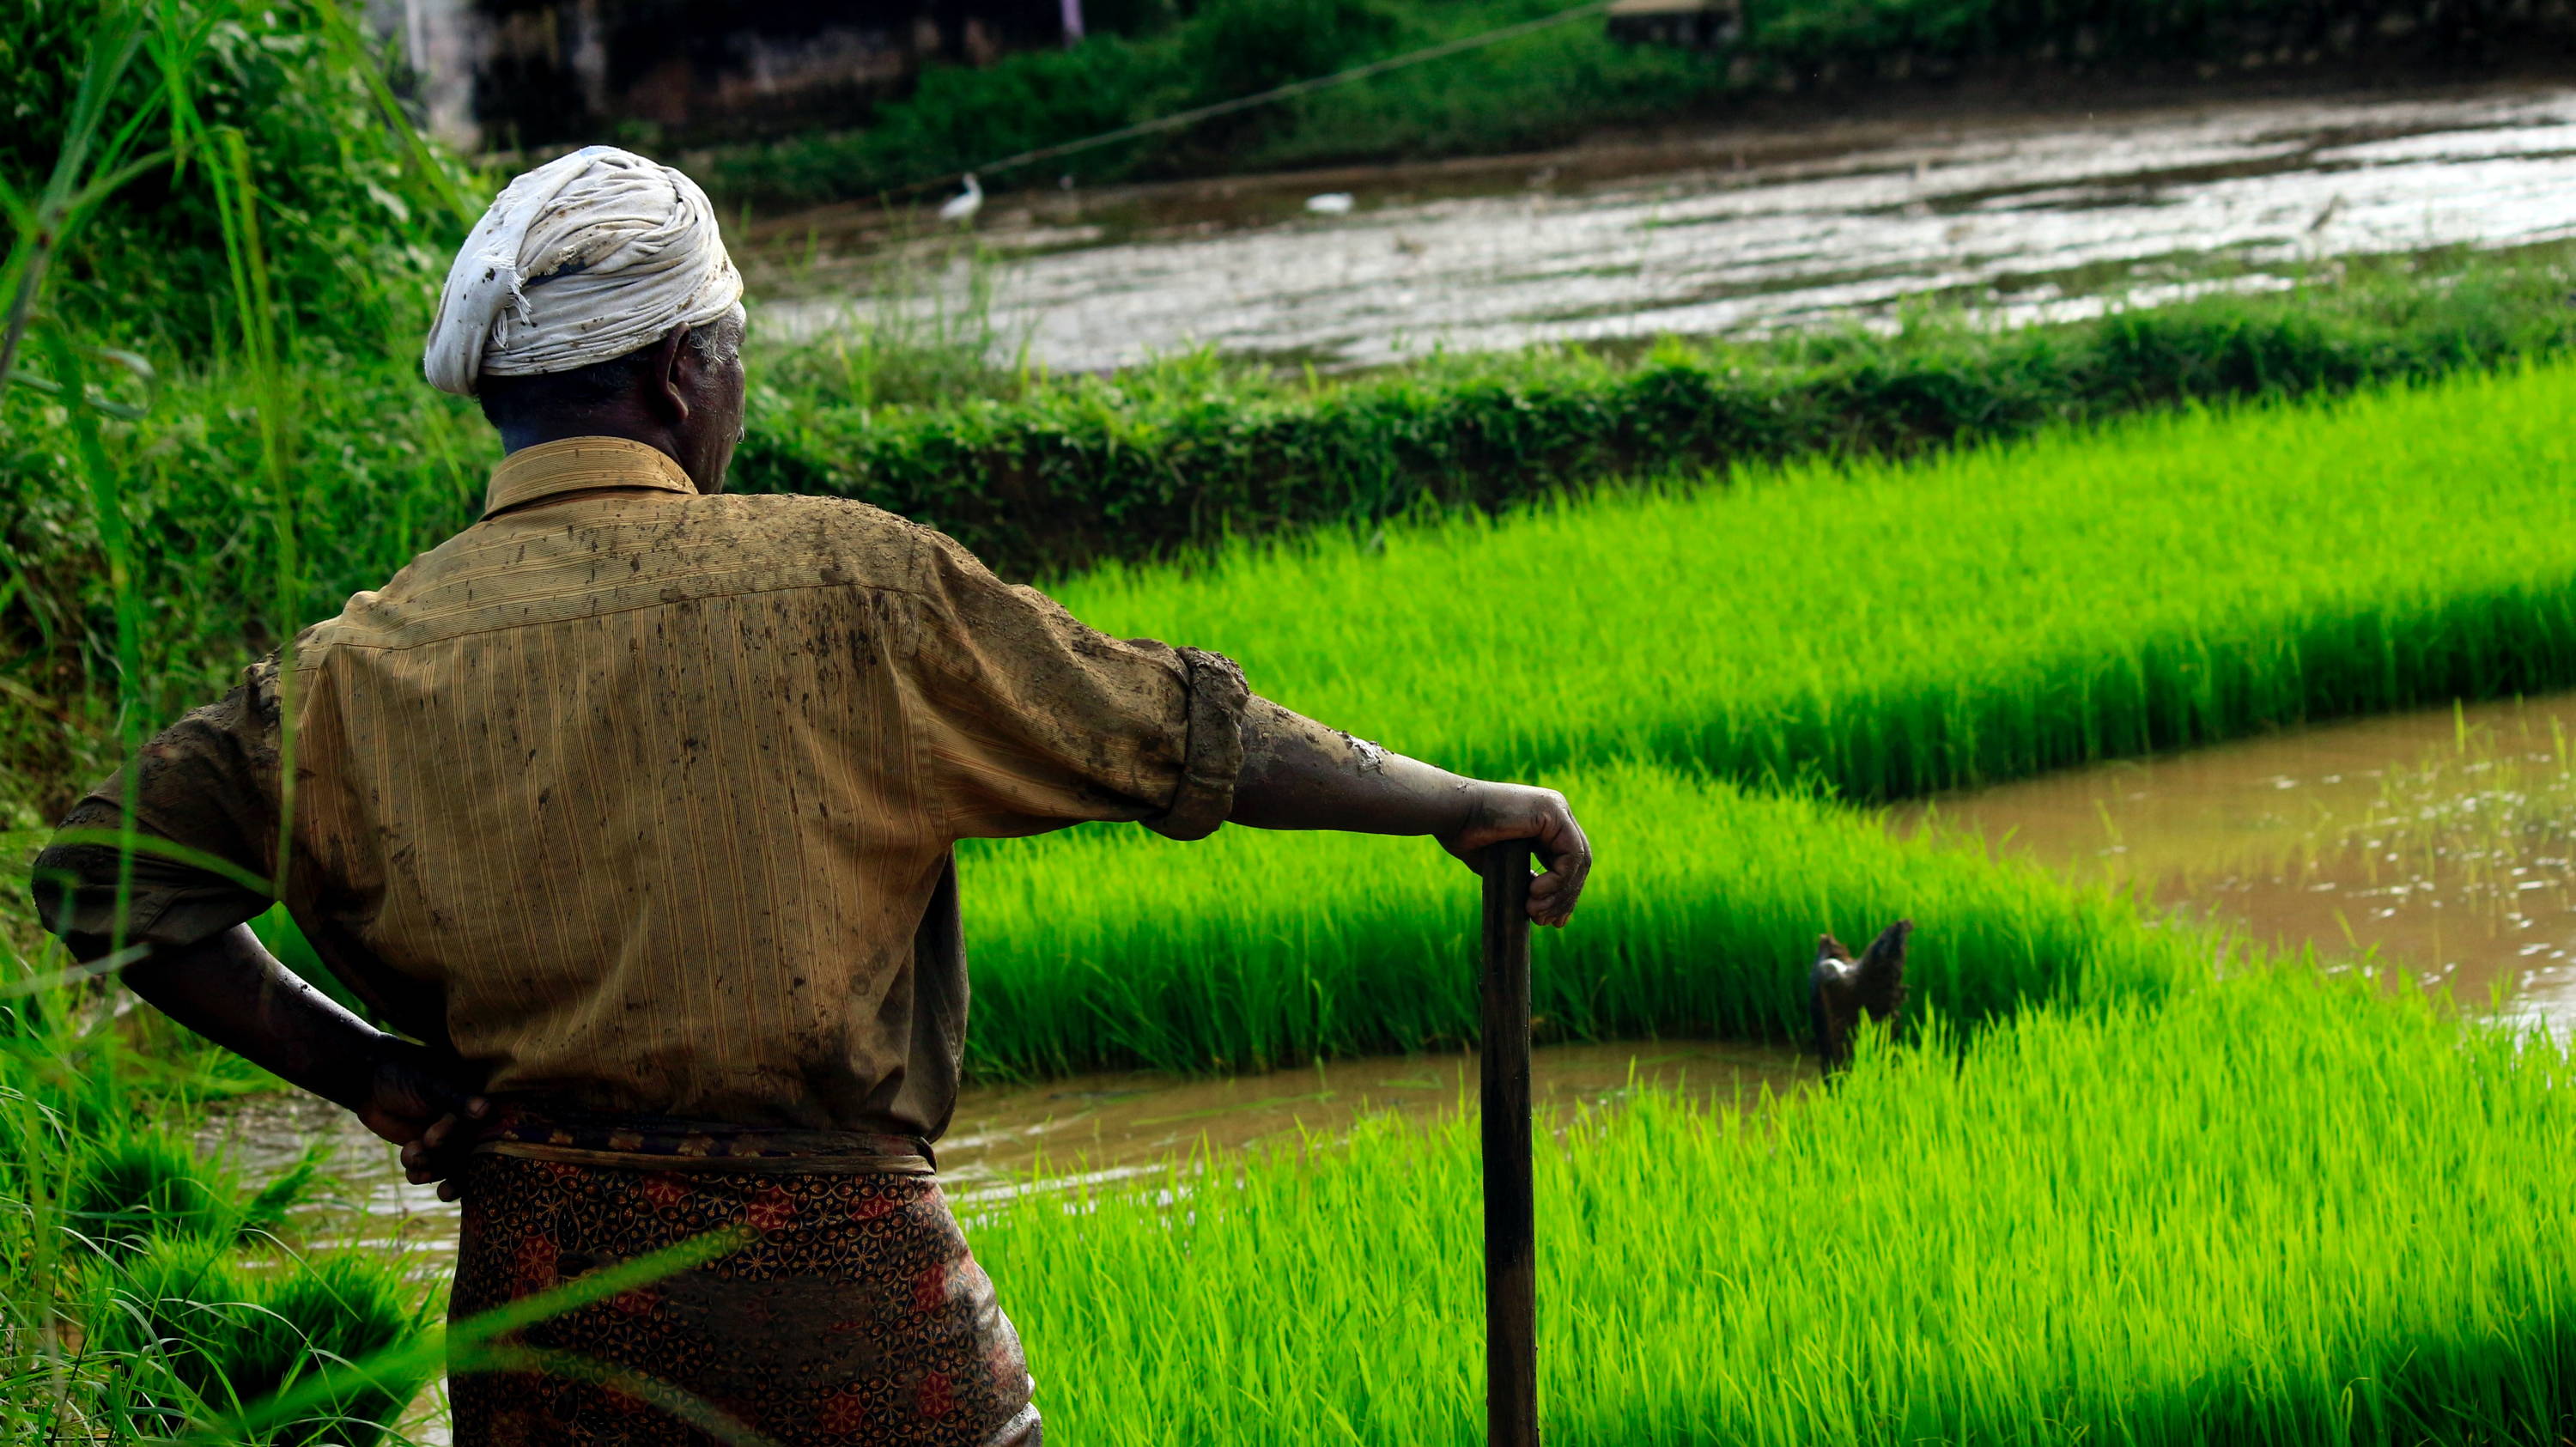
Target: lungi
point(851, 1316)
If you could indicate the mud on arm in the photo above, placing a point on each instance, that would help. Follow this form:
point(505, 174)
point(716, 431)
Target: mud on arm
point(1299, 774)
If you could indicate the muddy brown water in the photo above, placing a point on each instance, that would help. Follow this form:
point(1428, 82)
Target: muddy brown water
point(1099, 1128)
point(1743, 232)
point(2443, 843)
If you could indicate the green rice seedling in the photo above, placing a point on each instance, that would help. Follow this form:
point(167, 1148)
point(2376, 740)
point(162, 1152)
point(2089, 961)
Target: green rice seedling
point(199, 1338)
point(1255, 950)
point(144, 1185)
point(136, 1185)
point(1888, 630)
point(2273, 1210)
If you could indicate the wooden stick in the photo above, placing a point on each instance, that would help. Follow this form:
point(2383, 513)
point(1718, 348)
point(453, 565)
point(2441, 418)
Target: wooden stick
point(1511, 1305)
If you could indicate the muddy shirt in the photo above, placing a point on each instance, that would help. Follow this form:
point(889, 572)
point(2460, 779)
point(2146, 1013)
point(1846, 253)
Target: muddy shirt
point(645, 799)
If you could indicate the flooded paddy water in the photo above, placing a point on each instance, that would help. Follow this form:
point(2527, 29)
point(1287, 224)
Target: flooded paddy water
point(1006, 1138)
point(2442, 842)
point(1742, 231)
point(1094, 1128)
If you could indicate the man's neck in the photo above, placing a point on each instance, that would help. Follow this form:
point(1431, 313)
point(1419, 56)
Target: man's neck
point(591, 424)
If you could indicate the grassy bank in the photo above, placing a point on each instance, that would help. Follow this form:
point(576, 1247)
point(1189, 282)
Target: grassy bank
point(2278, 1210)
point(1046, 478)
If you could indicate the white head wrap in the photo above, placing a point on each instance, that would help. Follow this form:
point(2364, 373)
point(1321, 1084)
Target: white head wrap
point(587, 257)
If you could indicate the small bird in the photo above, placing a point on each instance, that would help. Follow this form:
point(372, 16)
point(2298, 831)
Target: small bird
point(1840, 988)
point(964, 205)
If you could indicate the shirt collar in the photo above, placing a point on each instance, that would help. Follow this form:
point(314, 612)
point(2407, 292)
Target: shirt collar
point(573, 464)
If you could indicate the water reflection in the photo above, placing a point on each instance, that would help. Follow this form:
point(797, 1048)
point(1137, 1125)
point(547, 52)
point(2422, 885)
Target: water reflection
point(2445, 841)
point(1744, 232)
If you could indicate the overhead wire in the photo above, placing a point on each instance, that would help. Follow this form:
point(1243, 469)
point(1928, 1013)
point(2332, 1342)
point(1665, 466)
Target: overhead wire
point(1180, 119)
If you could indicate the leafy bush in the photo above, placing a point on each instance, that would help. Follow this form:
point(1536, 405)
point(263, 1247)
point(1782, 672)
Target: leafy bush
point(355, 214)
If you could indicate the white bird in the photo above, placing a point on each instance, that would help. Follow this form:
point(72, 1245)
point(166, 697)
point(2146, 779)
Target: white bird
point(964, 205)
point(1331, 203)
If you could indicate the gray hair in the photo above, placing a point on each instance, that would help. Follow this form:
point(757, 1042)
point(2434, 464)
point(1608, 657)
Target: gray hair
point(720, 341)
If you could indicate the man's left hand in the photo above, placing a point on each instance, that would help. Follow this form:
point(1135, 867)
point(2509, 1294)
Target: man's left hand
point(416, 1101)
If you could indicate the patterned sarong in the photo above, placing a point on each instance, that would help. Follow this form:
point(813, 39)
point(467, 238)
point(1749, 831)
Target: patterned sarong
point(853, 1316)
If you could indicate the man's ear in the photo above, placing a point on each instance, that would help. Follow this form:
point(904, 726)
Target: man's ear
point(668, 388)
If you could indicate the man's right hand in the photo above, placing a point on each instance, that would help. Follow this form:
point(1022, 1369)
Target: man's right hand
point(416, 1100)
point(1500, 812)
point(1298, 774)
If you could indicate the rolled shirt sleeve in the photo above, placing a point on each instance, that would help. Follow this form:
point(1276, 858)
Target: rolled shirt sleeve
point(206, 784)
point(1033, 720)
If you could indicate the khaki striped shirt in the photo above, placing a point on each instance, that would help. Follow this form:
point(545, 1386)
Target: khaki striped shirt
point(644, 800)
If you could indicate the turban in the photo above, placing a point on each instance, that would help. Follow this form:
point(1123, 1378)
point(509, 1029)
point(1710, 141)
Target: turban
point(587, 257)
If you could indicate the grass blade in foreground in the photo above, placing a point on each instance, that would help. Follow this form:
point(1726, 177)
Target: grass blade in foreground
point(2276, 1210)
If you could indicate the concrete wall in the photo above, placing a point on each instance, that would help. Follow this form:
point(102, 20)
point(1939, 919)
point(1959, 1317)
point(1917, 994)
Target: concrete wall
point(491, 74)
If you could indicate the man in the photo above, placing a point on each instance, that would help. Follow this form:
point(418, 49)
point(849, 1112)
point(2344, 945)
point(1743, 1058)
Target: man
point(632, 807)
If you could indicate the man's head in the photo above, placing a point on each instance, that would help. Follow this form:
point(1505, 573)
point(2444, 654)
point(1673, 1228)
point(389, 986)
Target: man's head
point(595, 298)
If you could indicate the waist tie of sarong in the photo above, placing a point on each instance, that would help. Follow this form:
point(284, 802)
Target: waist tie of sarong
point(541, 1131)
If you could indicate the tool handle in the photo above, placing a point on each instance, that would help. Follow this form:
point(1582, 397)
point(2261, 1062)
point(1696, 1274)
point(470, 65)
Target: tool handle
point(1511, 1301)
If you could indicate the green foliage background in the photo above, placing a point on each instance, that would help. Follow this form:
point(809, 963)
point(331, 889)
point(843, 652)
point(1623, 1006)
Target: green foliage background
point(356, 213)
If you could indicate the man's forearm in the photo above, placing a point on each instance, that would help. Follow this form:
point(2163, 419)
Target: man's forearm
point(229, 989)
point(1298, 774)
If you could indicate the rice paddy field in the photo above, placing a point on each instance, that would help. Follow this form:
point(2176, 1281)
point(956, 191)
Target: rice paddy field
point(2134, 1184)
point(2279, 1209)
point(2121, 1179)
point(1699, 667)
point(1891, 629)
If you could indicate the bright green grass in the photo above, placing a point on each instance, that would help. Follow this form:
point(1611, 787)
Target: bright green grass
point(2277, 1210)
point(1251, 950)
point(1894, 629)
point(1886, 630)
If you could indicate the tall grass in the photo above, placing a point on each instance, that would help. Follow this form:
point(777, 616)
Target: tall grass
point(1889, 629)
point(1253, 951)
point(2276, 1210)
point(124, 1312)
